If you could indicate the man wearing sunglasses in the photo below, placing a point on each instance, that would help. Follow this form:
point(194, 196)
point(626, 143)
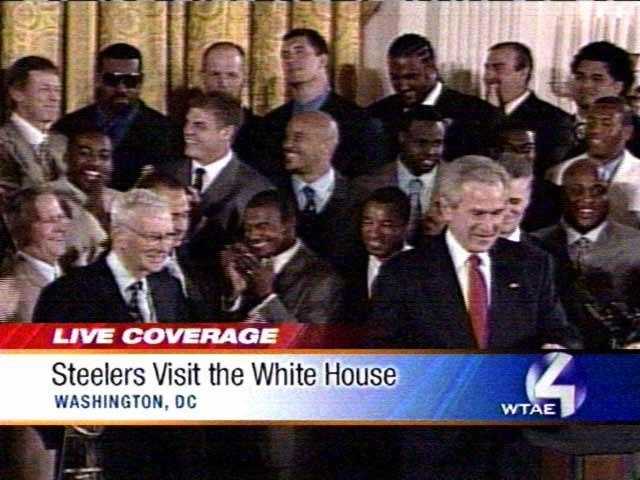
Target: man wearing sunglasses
point(139, 134)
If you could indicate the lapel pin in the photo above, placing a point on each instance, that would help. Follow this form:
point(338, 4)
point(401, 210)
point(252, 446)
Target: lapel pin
point(514, 285)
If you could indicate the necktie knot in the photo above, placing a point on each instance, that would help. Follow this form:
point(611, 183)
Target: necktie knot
point(415, 186)
point(582, 242)
point(198, 179)
point(133, 305)
point(474, 261)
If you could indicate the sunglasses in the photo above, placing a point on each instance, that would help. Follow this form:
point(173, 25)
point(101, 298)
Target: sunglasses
point(130, 80)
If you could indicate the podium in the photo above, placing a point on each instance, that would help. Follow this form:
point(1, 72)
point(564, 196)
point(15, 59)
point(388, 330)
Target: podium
point(587, 452)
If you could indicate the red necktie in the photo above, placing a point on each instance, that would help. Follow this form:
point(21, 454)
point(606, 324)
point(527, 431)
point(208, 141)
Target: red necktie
point(478, 301)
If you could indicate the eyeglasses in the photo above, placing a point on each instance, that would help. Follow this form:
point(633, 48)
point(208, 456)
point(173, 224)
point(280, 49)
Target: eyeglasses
point(153, 238)
point(130, 80)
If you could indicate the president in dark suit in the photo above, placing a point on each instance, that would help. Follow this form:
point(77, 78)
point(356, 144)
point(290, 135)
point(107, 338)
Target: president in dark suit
point(466, 289)
point(139, 134)
point(415, 79)
point(305, 57)
point(507, 73)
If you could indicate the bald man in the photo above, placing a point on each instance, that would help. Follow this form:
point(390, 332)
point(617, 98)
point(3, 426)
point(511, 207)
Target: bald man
point(597, 258)
point(326, 221)
point(224, 70)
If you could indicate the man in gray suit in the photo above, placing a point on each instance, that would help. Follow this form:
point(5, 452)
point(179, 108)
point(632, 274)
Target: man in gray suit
point(421, 138)
point(274, 276)
point(598, 259)
point(29, 154)
point(223, 182)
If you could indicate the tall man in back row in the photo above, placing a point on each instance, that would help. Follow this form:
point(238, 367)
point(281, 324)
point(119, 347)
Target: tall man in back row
point(466, 288)
point(414, 75)
point(305, 60)
point(139, 134)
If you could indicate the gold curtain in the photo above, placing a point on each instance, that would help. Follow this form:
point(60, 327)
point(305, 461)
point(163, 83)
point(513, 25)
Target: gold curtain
point(172, 37)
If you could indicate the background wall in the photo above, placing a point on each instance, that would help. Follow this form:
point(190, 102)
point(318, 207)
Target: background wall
point(172, 37)
point(461, 33)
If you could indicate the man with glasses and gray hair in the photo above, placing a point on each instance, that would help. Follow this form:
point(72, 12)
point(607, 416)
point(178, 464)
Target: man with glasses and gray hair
point(118, 287)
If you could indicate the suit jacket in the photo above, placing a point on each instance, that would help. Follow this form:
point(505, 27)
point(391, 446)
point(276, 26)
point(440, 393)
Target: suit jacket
point(308, 290)
point(246, 138)
point(472, 122)
point(91, 294)
point(610, 273)
point(624, 187)
point(20, 287)
point(360, 149)
point(150, 140)
point(19, 165)
point(418, 303)
point(333, 232)
point(222, 203)
point(553, 127)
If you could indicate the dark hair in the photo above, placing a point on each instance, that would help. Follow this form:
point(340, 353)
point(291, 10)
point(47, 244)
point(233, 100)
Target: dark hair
point(17, 74)
point(121, 51)
point(395, 199)
point(225, 107)
point(412, 44)
point(511, 125)
point(216, 45)
point(276, 199)
point(420, 113)
point(20, 212)
point(620, 105)
point(316, 40)
point(524, 59)
point(86, 130)
point(617, 60)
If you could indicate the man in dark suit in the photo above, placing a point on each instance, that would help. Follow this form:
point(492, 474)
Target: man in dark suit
point(305, 57)
point(139, 134)
point(415, 78)
point(421, 137)
point(467, 288)
point(325, 207)
point(597, 259)
point(507, 73)
point(600, 69)
point(116, 288)
point(224, 70)
point(223, 183)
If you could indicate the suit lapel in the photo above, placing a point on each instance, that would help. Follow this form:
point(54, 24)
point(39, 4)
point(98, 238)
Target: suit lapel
point(222, 187)
point(25, 155)
point(111, 296)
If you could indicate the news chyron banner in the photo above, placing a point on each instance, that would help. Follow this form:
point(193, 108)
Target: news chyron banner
point(257, 374)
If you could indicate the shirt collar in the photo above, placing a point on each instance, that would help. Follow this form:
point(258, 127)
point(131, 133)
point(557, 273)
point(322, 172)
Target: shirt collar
point(32, 134)
point(311, 106)
point(573, 235)
point(405, 176)
point(211, 170)
point(434, 95)
point(515, 236)
point(281, 260)
point(48, 271)
point(459, 254)
point(323, 186)
point(609, 169)
point(511, 106)
point(123, 277)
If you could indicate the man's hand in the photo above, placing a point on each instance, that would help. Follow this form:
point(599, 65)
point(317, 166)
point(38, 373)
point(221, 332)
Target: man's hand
point(234, 275)
point(494, 97)
point(260, 274)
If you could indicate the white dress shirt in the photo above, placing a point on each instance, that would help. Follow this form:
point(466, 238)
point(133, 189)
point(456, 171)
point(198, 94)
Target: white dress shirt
point(211, 171)
point(322, 186)
point(515, 236)
point(124, 280)
point(459, 256)
point(33, 135)
point(48, 271)
point(434, 95)
point(511, 106)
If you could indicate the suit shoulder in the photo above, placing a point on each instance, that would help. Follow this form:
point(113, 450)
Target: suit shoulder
point(455, 99)
point(550, 110)
point(278, 114)
point(70, 122)
point(248, 174)
point(381, 107)
point(148, 114)
point(522, 252)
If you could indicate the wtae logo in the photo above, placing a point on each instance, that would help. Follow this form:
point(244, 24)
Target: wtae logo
point(553, 386)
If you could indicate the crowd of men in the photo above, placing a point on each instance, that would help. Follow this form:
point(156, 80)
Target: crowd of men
point(430, 219)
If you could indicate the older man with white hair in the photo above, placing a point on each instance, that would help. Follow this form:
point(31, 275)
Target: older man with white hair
point(117, 288)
